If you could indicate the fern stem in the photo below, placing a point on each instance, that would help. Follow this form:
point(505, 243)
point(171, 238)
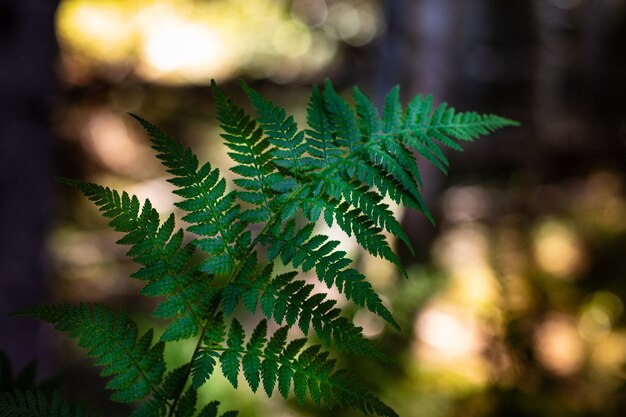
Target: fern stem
point(205, 327)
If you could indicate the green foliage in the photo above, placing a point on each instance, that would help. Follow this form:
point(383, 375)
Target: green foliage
point(36, 404)
point(340, 170)
point(136, 364)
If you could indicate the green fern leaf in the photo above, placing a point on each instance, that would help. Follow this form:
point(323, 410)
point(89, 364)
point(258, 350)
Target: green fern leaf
point(320, 137)
point(37, 404)
point(202, 367)
point(292, 364)
point(210, 410)
point(163, 257)
point(153, 407)
point(392, 111)
point(136, 364)
point(251, 362)
point(282, 132)
point(187, 404)
point(174, 382)
point(216, 331)
point(231, 358)
point(250, 150)
point(342, 120)
point(369, 120)
point(341, 169)
point(233, 292)
point(283, 298)
point(330, 265)
point(212, 211)
point(204, 361)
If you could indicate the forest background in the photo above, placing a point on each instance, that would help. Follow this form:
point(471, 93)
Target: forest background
point(514, 303)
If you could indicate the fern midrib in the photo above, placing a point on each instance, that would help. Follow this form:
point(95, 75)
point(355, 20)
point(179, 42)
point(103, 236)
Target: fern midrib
point(205, 327)
point(489, 124)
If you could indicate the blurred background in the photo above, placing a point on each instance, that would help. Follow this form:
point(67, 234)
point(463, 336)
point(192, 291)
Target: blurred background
point(514, 305)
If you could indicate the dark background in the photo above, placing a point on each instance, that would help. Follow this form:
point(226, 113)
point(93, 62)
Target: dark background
point(537, 214)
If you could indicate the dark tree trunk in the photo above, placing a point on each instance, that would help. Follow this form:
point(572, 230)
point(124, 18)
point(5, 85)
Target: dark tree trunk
point(28, 51)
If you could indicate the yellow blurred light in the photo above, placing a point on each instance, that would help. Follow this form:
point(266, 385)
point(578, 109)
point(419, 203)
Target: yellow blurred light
point(465, 203)
point(158, 190)
point(187, 41)
point(183, 50)
point(354, 23)
point(558, 345)
point(594, 324)
point(372, 324)
point(610, 353)
point(463, 252)
point(380, 273)
point(448, 346)
point(475, 285)
point(598, 315)
point(451, 332)
point(462, 246)
point(291, 39)
point(519, 295)
point(106, 136)
point(101, 30)
point(558, 250)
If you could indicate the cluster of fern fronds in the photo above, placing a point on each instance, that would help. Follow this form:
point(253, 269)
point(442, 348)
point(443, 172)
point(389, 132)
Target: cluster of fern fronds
point(251, 243)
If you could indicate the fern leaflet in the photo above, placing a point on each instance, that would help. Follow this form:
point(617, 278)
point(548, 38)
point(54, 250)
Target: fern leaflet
point(137, 366)
point(37, 404)
point(275, 362)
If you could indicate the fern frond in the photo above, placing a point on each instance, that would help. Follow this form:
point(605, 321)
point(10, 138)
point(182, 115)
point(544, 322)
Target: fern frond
point(210, 410)
point(369, 120)
point(341, 181)
point(212, 210)
point(368, 202)
point(424, 125)
point(290, 301)
point(388, 185)
point(322, 148)
point(163, 256)
point(342, 168)
point(250, 149)
point(282, 132)
point(186, 407)
point(37, 404)
point(273, 361)
point(300, 249)
point(152, 407)
point(137, 366)
point(392, 111)
point(342, 120)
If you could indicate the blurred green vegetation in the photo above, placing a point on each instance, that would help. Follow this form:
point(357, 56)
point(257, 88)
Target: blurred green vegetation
point(518, 308)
